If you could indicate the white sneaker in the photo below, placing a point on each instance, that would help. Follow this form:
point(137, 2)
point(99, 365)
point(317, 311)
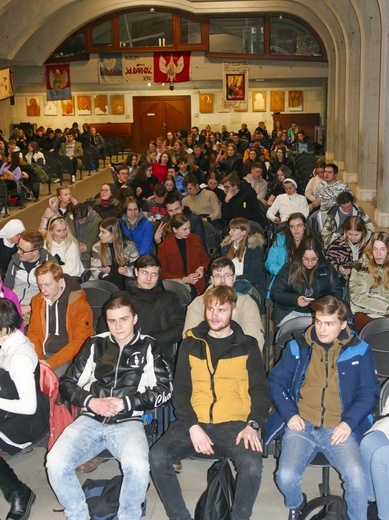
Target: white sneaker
point(73, 178)
point(56, 180)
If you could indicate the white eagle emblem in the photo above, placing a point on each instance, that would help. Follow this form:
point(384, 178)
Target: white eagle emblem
point(170, 68)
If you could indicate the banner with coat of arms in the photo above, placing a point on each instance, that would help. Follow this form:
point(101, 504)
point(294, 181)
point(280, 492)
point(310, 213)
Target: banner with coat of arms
point(58, 82)
point(171, 67)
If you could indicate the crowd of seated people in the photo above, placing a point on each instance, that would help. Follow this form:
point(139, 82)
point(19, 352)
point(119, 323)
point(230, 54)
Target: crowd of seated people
point(115, 236)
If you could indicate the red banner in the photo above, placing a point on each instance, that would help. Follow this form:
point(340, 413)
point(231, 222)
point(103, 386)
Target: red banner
point(171, 67)
point(58, 82)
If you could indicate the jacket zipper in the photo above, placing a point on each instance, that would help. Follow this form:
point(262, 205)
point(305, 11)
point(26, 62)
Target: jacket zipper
point(116, 377)
point(324, 391)
point(214, 398)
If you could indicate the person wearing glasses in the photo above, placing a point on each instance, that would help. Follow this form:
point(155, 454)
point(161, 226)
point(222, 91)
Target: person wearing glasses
point(20, 276)
point(306, 278)
point(106, 203)
point(123, 177)
point(222, 272)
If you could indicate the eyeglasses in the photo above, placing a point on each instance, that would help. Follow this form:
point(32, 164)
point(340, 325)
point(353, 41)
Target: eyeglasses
point(24, 252)
point(227, 186)
point(124, 173)
point(310, 260)
point(219, 276)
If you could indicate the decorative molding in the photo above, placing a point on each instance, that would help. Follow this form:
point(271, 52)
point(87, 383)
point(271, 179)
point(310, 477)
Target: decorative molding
point(382, 219)
point(350, 178)
point(366, 194)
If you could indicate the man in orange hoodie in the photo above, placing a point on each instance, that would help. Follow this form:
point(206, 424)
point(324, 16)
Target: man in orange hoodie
point(61, 318)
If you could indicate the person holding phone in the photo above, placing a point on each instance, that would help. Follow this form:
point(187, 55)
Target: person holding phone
point(306, 278)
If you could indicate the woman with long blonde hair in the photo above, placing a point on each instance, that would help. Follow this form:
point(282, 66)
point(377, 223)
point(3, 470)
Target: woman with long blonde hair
point(63, 246)
point(112, 257)
point(369, 281)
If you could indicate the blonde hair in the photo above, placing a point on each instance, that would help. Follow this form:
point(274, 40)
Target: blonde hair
point(53, 222)
point(373, 268)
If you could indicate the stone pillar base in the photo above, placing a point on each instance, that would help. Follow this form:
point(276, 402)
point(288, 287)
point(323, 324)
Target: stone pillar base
point(382, 219)
point(366, 194)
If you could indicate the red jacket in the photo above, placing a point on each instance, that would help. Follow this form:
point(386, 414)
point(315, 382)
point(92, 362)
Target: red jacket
point(172, 264)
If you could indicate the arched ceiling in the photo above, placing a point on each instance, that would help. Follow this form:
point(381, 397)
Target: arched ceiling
point(30, 34)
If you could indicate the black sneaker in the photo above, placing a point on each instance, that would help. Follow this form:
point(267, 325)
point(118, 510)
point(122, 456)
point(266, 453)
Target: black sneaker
point(372, 511)
point(294, 514)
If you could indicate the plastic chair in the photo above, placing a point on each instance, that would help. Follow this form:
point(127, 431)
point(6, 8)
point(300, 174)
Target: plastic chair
point(376, 334)
point(384, 396)
point(178, 289)
point(98, 292)
point(289, 330)
point(256, 228)
point(212, 239)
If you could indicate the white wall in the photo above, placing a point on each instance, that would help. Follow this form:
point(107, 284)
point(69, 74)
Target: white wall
point(206, 76)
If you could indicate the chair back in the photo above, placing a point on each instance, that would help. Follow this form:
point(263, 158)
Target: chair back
point(98, 292)
point(179, 290)
point(212, 239)
point(376, 334)
point(289, 330)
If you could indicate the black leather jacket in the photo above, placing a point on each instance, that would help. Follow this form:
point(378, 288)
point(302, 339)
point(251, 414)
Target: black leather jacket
point(137, 374)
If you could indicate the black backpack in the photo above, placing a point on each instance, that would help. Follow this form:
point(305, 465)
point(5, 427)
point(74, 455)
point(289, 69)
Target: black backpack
point(332, 508)
point(102, 497)
point(216, 501)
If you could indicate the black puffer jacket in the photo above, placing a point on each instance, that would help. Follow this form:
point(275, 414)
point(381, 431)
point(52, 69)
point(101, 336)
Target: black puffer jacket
point(137, 374)
point(160, 315)
point(325, 281)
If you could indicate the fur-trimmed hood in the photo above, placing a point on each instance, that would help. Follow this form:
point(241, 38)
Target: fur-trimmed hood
point(255, 240)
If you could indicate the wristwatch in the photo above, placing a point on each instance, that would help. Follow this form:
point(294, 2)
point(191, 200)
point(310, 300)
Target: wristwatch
point(253, 425)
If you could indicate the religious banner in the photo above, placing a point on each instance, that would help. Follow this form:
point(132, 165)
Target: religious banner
point(58, 82)
point(137, 69)
point(235, 85)
point(171, 67)
point(6, 87)
point(110, 68)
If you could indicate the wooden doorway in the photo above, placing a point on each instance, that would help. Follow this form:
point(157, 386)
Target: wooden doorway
point(157, 115)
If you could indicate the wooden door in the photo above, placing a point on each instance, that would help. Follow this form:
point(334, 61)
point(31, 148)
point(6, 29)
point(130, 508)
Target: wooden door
point(156, 115)
point(306, 122)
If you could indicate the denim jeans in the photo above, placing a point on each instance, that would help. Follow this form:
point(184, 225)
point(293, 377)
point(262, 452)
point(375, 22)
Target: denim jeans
point(375, 460)
point(300, 447)
point(84, 439)
point(177, 445)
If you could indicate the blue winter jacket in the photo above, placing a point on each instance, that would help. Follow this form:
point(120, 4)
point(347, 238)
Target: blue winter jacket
point(141, 234)
point(358, 384)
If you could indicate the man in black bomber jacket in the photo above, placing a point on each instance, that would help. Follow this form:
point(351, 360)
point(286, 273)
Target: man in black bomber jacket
point(115, 377)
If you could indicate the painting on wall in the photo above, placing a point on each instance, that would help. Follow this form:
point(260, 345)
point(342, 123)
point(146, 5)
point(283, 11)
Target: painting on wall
point(117, 105)
point(84, 105)
point(68, 107)
point(259, 101)
point(277, 101)
point(235, 85)
point(50, 108)
point(206, 103)
point(295, 100)
point(101, 104)
point(33, 107)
